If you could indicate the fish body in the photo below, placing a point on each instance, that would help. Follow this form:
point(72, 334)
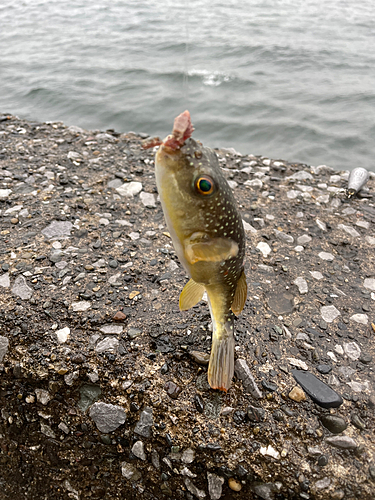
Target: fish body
point(208, 236)
point(357, 180)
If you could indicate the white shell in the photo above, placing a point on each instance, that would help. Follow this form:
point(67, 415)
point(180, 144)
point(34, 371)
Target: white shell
point(357, 179)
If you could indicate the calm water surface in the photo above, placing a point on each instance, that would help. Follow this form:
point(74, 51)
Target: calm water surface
point(285, 79)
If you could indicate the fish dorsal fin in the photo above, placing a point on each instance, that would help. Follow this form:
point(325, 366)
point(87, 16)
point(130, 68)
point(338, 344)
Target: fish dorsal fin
point(191, 294)
point(240, 296)
point(201, 247)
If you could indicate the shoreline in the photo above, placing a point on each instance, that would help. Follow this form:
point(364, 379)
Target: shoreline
point(103, 380)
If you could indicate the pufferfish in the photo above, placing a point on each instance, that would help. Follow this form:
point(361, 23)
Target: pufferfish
point(208, 236)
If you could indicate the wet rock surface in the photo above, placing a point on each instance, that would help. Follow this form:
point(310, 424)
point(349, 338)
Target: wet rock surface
point(102, 392)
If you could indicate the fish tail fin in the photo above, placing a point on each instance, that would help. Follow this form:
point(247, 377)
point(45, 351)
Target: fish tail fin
point(221, 365)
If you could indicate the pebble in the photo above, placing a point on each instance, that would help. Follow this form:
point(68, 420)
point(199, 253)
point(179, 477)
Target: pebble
point(58, 230)
point(298, 363)
point(357, 422)
point(255, 183)
point(138, 450)
point(255, 414)
point(148, 199)
point(360, 318)
point(323, 483)
point(248, 227)
point(350, 230)
point(4, 193)
point(352, 350)
point(202, 358)
point(63, 334)
point(21, 288)
point(317, 390)
point(193, 489)
point(266, 491)
point(329, 313)
point(302, 240)
point(281, 303)
point(145, 423)
point(188, 456)
point(129, 189)
point(286, 238)
point(172, 389)
point(107, 417)
point(369, 283)
point(4, 280)
point(297, 394)
point(130, 472)
point(301, 283)
point(215, 486)
point(113, 329)
point(83, 305)
point(326, 256)
point(324, 369)
point(344, 442)
point(264, 248)
point(4, 344)
point(270, 451)
point(43, 396)
point(317, 275)
point(109, 344)
point(243, 372)
point(333, 423)
point(302, 175)
point(234, 484)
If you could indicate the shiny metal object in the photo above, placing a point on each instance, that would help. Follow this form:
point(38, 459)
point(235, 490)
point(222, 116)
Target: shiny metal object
point(357, 180)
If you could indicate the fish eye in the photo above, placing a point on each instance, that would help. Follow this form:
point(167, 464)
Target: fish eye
point(204, 185)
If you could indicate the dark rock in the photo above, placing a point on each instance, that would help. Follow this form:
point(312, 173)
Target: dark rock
point(365, 358)
point(357, 421)
point(333, 423)
point(172, 389)
point(239, 416)
point(269, 386)
point(145, 423)
point(255, 414)
point(243, 373)
point(344, 442)
point(324, 369)
point(198, 403)
point(317, 390)
point(322, 460)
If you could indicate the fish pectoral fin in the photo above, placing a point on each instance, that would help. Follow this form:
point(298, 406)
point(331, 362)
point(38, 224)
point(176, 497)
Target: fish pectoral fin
point(191, 294)
point(240, 296)
point(210, 250)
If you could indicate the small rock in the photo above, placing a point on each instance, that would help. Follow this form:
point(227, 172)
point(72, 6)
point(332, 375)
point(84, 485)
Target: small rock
point(357, 421)
point(281, 303)
point(109, 344)
point(333, 423)
point(350, 230)
point(324, 369)
point(107, 417)
point(188, 456)
point(21, 288)
point(369, 283)
point(298, 363)
point(302, 240)
point(5, 281)
point(129, 189)
point(270, 451)
point(317, 275)
point(112, 329)
point(234, 484)
point(344, 442)
point(43, 396)
point(266, 491)
point(130, 472)
point(138, 450)
point(248, 227)
point(286, 238)
point(264, 248)
point(83, 305)
point(352, 350)
point(193, 489)
point(254, 183)
point(326, 256)
point(243, 373)
point(297, 394)
point(145, 423)
point(148, 199)
point(323, 483)
point(172, 389)
point(301, 283)
point(63, 334)
point(329, 313)
point(202, 358)
point(119, 316)
point(215, 486)
point(300, 176)
point(58, 230)
point(4, 344)
point(255, 414)
point(360, 318)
